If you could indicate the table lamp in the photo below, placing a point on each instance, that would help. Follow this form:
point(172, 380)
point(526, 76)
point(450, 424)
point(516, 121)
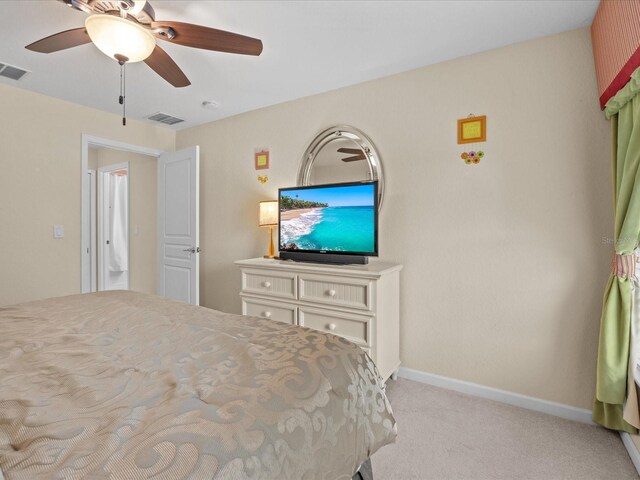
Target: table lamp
point(269, 218)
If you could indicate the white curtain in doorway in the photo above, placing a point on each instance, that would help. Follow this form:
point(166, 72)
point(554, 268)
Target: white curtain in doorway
point(118, 247)
point(631, 407)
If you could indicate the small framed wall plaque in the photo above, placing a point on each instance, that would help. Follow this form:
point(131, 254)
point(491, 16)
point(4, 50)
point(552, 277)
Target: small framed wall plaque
point(472, 129)
point(262, 160)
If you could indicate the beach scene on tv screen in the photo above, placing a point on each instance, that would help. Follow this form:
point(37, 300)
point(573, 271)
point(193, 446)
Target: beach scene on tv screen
point(338, 219)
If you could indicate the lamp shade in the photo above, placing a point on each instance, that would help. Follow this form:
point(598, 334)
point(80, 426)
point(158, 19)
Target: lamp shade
point(117, 36)
point(268, 213)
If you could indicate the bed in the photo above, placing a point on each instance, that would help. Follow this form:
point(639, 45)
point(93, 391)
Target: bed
point(124, 385)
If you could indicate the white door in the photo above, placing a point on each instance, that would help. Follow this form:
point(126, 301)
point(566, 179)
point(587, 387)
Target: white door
point(179, 225)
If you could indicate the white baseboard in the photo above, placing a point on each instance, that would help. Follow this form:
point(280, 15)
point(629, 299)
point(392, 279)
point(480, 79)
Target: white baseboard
point(631, 450)
point(531, 403)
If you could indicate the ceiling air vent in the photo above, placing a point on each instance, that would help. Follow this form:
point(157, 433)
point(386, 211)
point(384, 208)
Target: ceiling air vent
point(164, 118)
point(9, 71)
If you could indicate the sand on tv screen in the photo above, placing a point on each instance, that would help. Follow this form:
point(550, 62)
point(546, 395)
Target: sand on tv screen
point(329, 218)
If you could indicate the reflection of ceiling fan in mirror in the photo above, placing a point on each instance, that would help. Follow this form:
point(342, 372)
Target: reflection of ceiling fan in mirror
point(356, 152)
point(126, 30)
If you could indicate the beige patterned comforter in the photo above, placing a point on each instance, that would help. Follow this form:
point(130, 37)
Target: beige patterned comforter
point(127, 386)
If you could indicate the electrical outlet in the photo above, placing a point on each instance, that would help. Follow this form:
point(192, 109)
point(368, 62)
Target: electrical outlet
point(58, 231)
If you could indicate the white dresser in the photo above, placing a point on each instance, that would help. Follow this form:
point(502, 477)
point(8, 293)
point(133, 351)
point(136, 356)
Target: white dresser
point(357, 302)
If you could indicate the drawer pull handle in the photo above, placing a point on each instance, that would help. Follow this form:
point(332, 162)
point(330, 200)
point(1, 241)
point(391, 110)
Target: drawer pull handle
point(331, 293)
point(267, 284)
point(267, 314)
point(332, 326)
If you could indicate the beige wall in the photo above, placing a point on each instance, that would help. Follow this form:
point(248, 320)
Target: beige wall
point(505, 263)
point(40, 187)
point(143, 187)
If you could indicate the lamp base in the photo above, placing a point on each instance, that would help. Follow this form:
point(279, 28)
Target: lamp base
point(272, 258)
point(272, 250)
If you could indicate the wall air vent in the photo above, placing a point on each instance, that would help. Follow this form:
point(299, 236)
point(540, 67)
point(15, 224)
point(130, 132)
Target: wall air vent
point(164, 118)
point(9, 71)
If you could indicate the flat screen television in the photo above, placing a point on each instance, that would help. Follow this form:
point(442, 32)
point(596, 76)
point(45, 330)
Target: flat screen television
point(336, 223)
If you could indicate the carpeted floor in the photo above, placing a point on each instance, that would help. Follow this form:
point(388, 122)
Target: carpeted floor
point(445, 435)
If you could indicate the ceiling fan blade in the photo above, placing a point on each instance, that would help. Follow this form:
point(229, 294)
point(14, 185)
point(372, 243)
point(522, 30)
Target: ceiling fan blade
point(355, 151)
point(61, 41)
point(354, 159)
point(161, 63)
point(207, 38)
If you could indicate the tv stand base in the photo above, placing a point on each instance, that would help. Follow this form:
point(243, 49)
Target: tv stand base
point(324, 258)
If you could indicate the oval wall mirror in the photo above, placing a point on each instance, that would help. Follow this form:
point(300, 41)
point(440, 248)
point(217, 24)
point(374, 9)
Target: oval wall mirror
point(341, 154)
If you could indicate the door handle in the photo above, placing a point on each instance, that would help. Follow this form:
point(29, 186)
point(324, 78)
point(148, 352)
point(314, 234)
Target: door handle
point(190, 250)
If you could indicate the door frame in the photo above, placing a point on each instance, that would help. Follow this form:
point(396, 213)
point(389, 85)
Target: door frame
point(87, 141)
point(93, 185)
point(89, 223)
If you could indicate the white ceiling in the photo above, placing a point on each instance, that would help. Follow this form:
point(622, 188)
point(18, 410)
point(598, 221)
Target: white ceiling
point(309, 47)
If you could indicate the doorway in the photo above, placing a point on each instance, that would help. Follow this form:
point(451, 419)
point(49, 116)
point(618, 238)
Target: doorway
point(119, 234)
point(157, 221)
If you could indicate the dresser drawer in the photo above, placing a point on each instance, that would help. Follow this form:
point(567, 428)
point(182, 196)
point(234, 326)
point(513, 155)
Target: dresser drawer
point(352, 293)
point(281, 285)
point(271, 310)
point(356, 328)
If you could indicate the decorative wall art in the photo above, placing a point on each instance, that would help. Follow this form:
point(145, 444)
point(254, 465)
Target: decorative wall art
point(472, 156)
point(472, 131)
point(262, 159)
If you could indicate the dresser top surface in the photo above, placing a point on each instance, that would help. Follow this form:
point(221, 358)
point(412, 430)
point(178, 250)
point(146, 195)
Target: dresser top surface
point(374, 268)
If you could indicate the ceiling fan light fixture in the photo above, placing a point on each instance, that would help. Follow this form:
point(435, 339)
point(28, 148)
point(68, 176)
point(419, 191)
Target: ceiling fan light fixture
point(114, 35)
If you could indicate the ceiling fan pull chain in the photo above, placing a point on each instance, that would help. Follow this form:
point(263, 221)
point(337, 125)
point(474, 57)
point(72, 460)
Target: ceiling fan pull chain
point(124, 94)
point(121, 98)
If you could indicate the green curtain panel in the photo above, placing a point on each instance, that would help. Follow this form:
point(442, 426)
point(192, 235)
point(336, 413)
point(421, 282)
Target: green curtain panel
point(613, 350)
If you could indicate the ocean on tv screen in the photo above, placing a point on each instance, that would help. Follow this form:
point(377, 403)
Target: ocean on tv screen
point(337, 219)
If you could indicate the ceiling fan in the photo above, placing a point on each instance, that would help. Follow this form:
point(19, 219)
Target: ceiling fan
point(126, 30)
point(356, 152)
